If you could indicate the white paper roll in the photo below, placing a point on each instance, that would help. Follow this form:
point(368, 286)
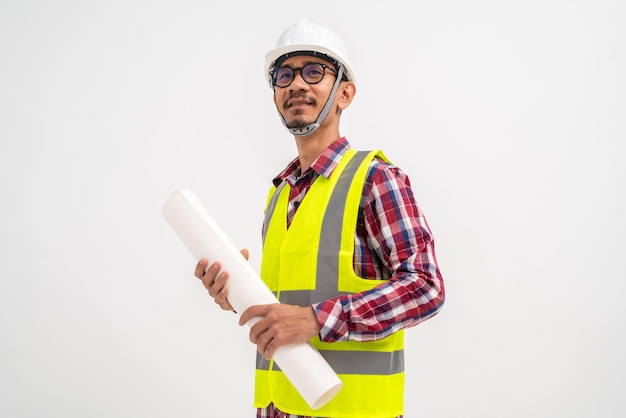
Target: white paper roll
point(303, 365)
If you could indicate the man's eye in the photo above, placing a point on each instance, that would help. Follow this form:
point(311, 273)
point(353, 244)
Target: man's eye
point(314, 72)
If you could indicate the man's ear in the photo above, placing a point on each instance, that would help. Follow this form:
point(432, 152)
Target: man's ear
point(345, 95)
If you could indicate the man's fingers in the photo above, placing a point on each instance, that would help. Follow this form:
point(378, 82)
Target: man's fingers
point(253, 311)
point(214, 281)
point(265, 349)
point(201, 268)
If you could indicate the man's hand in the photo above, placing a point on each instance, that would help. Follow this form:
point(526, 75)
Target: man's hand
point(279, 325)
point(214, 283)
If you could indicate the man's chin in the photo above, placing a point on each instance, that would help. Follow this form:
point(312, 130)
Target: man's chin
point(298, 123)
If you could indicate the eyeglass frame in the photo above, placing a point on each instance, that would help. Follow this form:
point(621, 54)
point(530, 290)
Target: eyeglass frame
point(293, 70)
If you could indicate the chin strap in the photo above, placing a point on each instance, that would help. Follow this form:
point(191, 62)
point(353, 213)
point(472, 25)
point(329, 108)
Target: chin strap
point(309, 129)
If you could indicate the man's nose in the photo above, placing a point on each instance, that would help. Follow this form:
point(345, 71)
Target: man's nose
point(298, 82)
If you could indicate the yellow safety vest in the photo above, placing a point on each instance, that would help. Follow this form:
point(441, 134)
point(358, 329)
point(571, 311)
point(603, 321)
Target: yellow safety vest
point(313, 261)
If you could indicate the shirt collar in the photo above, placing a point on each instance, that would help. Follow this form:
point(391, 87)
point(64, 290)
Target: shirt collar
point(324, 164)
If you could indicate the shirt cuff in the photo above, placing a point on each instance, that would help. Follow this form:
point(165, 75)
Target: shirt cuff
point(333, 320)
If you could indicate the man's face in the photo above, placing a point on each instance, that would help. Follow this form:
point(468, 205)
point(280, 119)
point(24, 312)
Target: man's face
point(300, 103)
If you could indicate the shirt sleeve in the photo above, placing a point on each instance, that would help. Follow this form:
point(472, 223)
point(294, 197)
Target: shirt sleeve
point(399, 238)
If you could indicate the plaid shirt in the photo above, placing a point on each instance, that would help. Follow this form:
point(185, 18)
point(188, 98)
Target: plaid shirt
point(392, 242)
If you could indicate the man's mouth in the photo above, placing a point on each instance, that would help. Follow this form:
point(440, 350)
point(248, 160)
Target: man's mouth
point(298, 103)
point(298, 99)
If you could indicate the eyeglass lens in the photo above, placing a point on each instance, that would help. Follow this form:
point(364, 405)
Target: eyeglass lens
point(311, 73)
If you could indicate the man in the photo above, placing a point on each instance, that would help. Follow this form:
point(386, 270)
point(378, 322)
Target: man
point(345, 246)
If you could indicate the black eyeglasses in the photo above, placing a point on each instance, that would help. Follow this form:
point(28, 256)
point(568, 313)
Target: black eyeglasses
point(311, 73)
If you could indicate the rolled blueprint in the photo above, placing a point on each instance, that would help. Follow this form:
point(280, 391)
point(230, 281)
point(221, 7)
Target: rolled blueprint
point(302, 364)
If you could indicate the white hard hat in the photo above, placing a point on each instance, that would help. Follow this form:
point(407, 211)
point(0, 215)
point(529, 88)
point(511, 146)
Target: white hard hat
point(307, 36)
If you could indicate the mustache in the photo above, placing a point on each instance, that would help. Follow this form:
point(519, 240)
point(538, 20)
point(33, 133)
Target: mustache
point(300, 96)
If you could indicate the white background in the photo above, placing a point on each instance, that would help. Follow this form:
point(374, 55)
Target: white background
point(508, 117)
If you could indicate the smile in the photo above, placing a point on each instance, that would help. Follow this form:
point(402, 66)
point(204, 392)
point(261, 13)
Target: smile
point(298, 103)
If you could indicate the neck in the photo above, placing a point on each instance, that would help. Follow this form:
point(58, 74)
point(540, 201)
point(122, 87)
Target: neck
point(310, 147)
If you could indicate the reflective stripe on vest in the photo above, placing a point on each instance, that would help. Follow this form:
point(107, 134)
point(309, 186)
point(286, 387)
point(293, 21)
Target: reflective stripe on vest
point(269, 211)
point(353, 362)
